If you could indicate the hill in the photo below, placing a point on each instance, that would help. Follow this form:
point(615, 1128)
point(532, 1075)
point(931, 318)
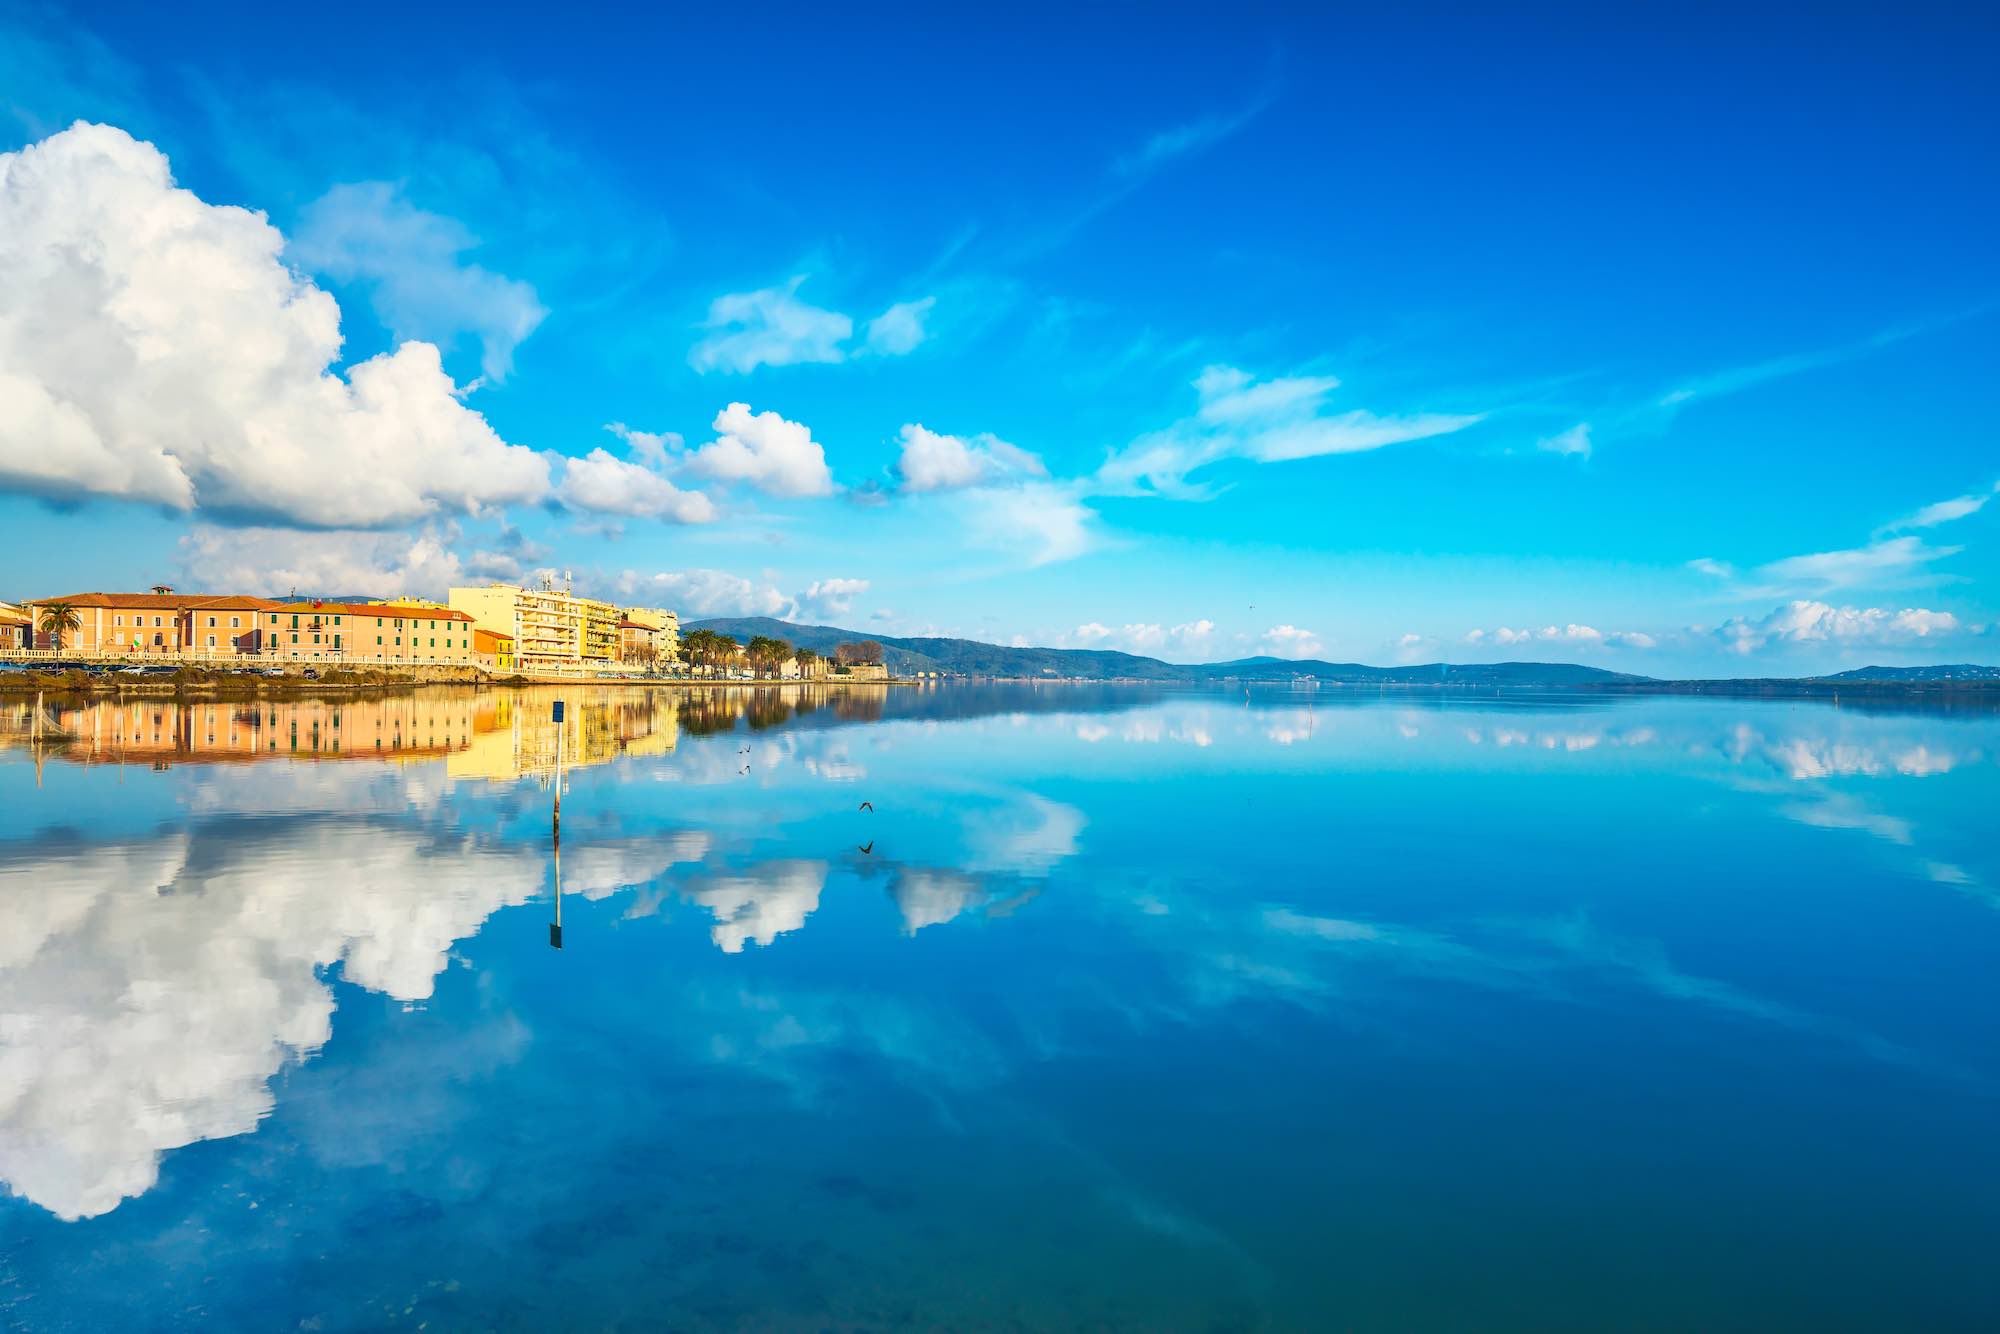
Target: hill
point(970, 657)
point(1957, 671)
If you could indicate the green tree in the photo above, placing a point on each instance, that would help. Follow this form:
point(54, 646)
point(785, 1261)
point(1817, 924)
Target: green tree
point(59, 619)
point(767, 653)
point(808, 660)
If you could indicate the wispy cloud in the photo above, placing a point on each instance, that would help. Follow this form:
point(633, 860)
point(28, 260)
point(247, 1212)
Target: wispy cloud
point(1943, 511)
point(1192, 137)
point(1269, 421)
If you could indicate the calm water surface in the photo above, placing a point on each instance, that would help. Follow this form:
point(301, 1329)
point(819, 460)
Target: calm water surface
point(1119, 1010)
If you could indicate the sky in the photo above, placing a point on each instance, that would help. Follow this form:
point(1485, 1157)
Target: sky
point(1658, 340)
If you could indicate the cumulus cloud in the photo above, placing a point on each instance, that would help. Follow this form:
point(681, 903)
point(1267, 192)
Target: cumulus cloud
point(706, 593)
point(1572, 633)
point(764, 450)
point(154, 347)
point(900, 328)
point(769, 327)
point(1573, 443)
point(933, 462)
point(1806, 622)
point(1289, 641)
point(409, 260)
point(276, 561)
point(603, 484)
point(1268, 421)
point(719, 593)
point(1187, 638)
point(830, 597)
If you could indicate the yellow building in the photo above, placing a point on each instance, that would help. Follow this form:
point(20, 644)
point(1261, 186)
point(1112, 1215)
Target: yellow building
point(550, 627)
point(666, 628)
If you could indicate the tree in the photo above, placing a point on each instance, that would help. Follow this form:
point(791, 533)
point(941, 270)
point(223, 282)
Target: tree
point(767, 653)
point(808, 660)
point(857, 651)
point(59, 619)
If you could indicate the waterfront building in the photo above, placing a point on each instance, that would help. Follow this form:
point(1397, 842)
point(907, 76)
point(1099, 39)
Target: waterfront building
point(493, 650)
point(15, 631)
point(666, 628)
point(162, 622)
point(550, 627)
point(365, 632)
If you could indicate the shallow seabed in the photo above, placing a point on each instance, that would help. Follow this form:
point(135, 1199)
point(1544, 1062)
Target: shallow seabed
point(1120, 1009)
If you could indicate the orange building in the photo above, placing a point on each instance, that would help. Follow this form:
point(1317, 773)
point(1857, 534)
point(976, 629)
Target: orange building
point(159, 622)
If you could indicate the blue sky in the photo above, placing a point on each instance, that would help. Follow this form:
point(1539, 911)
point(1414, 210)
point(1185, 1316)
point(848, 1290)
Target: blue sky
point(1663, 342)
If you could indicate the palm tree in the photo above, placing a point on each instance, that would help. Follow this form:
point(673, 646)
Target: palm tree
point(59, 619)
point(807, 661)
point(766, 653)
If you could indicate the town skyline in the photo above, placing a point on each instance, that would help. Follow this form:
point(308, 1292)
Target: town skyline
point(1198, 356)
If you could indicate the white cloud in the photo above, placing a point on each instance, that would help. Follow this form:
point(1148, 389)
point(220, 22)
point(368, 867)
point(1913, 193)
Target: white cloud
point(900, 328)
point(706, 593)
point(830, 597)
point(1289, 641)
point(1150, 638)
point(1572, 633)
point(770, 327)
point(1714, 569)
point(276, 561)
point(652, 448)
point(155, 348)
point(933, 462)
point(1041, 522)
point(1805, 622)
point(603, 484)
point(410, 260)
point(700, 592)
point(776, 456)
point(1268, 422)
point(1944, 511)
point(1575, 442)
point(1885, 563)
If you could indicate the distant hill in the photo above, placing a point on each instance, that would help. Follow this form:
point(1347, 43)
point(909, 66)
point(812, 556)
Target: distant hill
point(1958, 671)
point(970, 657)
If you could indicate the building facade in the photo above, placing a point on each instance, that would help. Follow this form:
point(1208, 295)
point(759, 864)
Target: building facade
point(550, 627)
point(666, 628)
point(365, 632)
point(142, 623)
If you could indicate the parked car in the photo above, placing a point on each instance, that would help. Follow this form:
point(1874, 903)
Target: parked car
point(311, 673)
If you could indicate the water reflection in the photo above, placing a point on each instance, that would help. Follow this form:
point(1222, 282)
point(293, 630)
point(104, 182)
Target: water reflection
point(1054, 883)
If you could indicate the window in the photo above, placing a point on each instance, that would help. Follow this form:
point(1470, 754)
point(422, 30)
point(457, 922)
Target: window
point(315, 639)
point(211, 644)
point(295, 636)
point(157, 622)
point(378, 626)
point(378, 638)
point(295, 621)
point(211, 625)
point(434, 643)
point(399, 641)
point(236, 622)
point(336, 641)
point(118, 620)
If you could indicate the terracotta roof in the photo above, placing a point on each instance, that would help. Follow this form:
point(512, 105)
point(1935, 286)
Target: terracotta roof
point(164, 601)
point(483, 639)
point(633, 625)
point(386, 610)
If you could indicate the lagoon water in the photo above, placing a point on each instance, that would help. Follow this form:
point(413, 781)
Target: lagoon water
point(1120, 1010)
